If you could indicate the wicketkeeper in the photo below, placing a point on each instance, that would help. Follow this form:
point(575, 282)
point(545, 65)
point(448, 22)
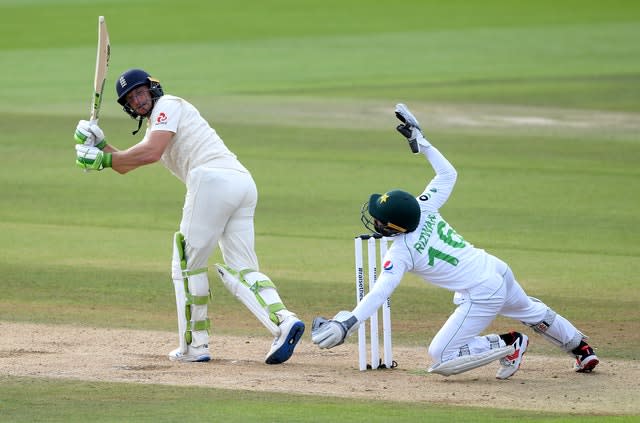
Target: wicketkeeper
point(484, 286)
point(218, 210)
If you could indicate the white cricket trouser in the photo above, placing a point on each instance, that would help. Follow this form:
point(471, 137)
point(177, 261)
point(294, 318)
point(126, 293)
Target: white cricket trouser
point(219, 210)
point(479, 306)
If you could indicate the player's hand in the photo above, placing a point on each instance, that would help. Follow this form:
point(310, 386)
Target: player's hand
point(89, 133)
point(410, 129)
point(331, 333)
point(92, 158)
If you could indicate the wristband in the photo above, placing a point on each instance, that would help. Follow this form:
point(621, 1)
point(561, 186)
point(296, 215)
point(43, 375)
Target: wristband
point(106, 160)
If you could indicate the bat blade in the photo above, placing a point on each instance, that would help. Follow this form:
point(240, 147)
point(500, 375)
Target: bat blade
point(102, 64)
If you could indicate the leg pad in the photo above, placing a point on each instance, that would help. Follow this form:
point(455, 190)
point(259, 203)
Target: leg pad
point(557, 330)
point(192, 298)
point(246, 285)
point(467, 361)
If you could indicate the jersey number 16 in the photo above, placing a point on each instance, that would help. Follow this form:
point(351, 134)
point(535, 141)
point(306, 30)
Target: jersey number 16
point(452, 239)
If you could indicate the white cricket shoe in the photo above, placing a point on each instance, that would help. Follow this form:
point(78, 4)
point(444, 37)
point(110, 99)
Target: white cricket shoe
point(291, 330)
point(193, 354)
point(511, 363)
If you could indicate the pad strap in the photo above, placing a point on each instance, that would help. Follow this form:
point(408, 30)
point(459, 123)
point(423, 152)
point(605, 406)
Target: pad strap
point(256, 287)
point(197, 300)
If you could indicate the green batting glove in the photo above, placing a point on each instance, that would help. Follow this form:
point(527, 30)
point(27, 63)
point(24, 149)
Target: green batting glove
point(89, 133)
point(92, 158)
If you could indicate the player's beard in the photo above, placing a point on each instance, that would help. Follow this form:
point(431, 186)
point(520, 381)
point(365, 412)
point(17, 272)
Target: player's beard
point(144, 109)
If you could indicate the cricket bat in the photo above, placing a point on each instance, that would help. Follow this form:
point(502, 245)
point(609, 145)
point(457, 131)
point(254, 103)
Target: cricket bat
point(102, 63)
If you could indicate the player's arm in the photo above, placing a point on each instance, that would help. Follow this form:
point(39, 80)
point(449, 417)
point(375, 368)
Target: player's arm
point(331, 333)
point(94, 153)
point(440, 187)
point(147, 151)
point(385, 284)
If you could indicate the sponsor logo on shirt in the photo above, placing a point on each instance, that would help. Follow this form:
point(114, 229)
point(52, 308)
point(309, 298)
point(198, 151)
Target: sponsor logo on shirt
point(387, 265)
point(426, 196)
point(161, 119)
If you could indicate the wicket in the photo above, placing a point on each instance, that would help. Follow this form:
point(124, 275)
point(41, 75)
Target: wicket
point(375, 242)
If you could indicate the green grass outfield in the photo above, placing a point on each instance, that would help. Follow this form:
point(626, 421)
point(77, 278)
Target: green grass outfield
point(537, 104)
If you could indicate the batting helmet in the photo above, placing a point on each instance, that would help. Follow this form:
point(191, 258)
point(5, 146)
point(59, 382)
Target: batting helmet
point(391, 213)
point(134, 78)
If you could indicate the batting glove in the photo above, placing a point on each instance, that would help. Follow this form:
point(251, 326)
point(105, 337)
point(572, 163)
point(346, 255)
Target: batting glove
point(89, 133)
point(331, 333)
point(92, 158)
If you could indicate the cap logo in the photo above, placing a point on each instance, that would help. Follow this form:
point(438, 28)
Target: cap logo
point(383, 198)
point(123, 82)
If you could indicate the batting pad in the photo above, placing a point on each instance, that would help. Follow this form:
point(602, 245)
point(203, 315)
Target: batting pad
point(246, 285)
point(192, 297)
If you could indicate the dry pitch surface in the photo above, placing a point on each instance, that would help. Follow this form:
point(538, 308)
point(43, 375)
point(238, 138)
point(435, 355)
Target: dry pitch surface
point(117, 355)
point(543, 383)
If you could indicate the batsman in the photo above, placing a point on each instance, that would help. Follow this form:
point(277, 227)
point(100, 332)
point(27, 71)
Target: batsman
point(484, 286)
point(218, 210)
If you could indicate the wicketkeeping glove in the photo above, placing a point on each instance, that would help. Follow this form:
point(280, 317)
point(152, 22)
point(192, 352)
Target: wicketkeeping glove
point(331, 333)
point(89, 133)
point(92, 158)
point(410, 129)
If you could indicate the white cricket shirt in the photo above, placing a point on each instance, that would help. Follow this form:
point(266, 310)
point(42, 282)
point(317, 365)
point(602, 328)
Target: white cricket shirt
point(434, 250)
point(195, 142)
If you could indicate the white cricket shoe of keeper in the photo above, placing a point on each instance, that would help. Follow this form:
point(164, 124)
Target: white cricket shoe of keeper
point(511, 363)
point(193, 354)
